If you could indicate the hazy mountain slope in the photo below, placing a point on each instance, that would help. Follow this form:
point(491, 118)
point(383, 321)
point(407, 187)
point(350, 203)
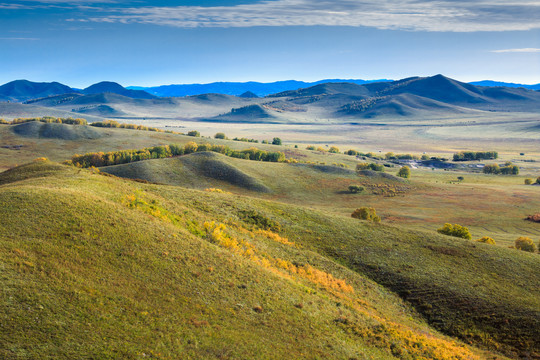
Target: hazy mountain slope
point(237, 88)
point(504, 84)
point(129, 269)
point(11, 111)
point(115, 88)
point(21, 90)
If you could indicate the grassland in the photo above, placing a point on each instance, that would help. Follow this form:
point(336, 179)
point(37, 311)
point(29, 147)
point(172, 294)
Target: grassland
point(174, 272)
point(266, 262)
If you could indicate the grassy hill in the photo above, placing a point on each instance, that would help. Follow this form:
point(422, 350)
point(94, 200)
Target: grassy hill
point(141, 270)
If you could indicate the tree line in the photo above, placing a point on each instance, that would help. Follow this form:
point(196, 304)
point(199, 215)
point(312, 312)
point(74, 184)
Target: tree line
point(99, 159)
point(478, 155)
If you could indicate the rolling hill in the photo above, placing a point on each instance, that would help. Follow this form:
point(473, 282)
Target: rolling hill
point(131, 268)
point(115, 88)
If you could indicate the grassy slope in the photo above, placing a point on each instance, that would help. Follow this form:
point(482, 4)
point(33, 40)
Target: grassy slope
point(148, 279)
point(494, 206)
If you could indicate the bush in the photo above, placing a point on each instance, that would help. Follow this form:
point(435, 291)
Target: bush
point(369, 166)
point(351, 152)
point(220, 135)
point(333, 150)
point(460, 178)
point(276, 141)
point(194, 133)
point(404, 172)
point(365, 213)
point(310, 147)
point(528, 181)
point(524, 243)
point(538, 180)
point(355, 189)
point(455, 230)
point(486, 240)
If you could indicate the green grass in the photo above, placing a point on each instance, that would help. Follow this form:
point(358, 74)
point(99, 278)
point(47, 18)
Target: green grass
point(99, 267)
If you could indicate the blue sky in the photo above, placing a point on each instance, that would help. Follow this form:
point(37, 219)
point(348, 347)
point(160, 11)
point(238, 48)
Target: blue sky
point(80, 42)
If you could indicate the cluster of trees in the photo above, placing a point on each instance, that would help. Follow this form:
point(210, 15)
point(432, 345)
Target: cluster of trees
point(99, 159)
point(117, 125)
point(246, 140)
point(392, 156)
point(475, 155)
point(46, 119)
point(369, 166)
point(455, 230)
point(507, 169)
point(366, 213)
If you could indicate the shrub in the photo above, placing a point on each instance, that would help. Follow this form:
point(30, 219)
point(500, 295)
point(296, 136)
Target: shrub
point(321, 149)
point(455, 230)
point(220, 135)
point(194, 133)
point(355, 189)
point(460, 178)
point(366, 213)
point(351, 152)
point(369, 166)
point(538, 180)
point(276, 141)
point(404, 172)
point(491, 169)
point(310, 147)
point(190, 147)
point(524, 243)
point(528, 181)
point(333, 150)
point(486, 240)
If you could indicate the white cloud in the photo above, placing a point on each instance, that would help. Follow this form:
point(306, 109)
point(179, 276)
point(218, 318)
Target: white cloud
point(416, 15)
point(524, 50)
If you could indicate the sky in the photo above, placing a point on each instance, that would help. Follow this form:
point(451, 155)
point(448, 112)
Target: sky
point(161, 42)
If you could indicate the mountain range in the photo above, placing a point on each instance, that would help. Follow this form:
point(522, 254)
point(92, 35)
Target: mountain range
point(336, 101)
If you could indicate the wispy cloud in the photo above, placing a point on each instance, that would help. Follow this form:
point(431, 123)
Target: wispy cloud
point(416, 15)
point(19, 38)
point(524, 50)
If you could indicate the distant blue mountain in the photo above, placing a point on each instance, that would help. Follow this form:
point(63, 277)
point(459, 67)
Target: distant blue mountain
point(238, 88)
point(505, 84)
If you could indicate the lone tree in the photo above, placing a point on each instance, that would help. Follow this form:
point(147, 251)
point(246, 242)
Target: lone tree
point(355, 189)
point(220, 135)
point(276, 141)
point(404, 172)
point(525, 244)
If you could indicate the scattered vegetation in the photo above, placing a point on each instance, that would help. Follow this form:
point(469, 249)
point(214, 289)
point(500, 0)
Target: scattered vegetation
point(333, 150)
point(366, 213)
point(455, 230)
